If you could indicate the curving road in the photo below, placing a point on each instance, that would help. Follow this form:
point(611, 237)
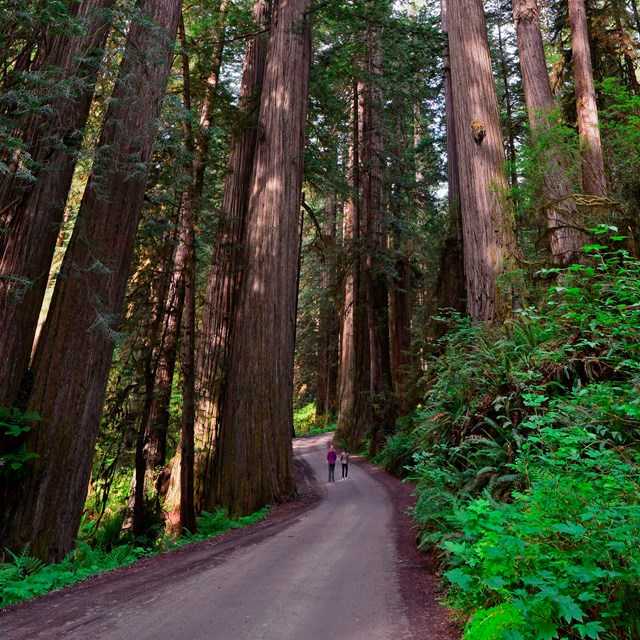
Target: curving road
point(326, 574)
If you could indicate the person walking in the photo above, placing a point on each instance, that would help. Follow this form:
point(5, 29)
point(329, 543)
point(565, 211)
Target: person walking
point(344, 460)
point(332, 456)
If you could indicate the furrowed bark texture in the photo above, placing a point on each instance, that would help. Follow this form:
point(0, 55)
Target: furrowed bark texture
point(450, 285)
point(187, 507)
point(487, 217)
point(563, 222)
point(254, 458)
point(381, 389)
point(328, 322)
point(214, 336)
point(73, 357)
point(593, 177)
point(197, 142)
point(400, 303)
point(33, 211)
point(351, 236)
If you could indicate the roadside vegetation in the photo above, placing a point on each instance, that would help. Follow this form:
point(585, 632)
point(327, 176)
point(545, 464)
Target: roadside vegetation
point(23, 577)
point(306, 422)
point(526, 461)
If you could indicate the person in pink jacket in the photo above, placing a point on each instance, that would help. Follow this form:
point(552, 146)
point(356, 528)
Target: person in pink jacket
point(331, 459)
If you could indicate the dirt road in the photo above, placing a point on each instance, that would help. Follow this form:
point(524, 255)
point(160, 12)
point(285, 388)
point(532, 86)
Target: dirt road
point(322, 573)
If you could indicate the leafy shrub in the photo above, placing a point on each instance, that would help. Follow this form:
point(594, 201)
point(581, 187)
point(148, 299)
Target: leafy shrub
point(397, 454)
point(526, 461)
point(306, 422)
point(561, 559)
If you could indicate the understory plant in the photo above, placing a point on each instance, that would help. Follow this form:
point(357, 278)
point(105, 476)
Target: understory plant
point(525, 458)
point(23, 577)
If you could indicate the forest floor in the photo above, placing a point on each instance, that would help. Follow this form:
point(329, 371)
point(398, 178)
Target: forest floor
point(339, 562)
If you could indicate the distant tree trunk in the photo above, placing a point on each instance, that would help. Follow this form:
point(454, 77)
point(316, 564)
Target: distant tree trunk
point(375, 237)
point(198, 142)
point(360, 413)
point(566, 237)
point(214, 336)
point(73, 357)
point(400, 307)
point(487, 216)
point(508, 107)
point(328, 327)
point(351, 237)
point(593, 177)
point(32, 212)
point(190, 207)
point(254, 457)
point(450, 285)
point(152, 351)
point(187, 507)
point(157, 426)
point(627, 46)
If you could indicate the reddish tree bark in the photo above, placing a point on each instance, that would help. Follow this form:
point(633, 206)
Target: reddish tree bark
point(450, 286)
point(197, 143)
point(32, 211)
point(73, 357)
point(566, 237)
point(375, 236)
point(254, 458)
point(214, 336)
point(328, 322)
point(594, 182)
point(400, 309)
point(354, 413)
point(487, 216)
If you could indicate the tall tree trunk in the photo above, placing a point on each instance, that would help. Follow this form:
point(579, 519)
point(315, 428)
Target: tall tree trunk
point(593, 177)
point(508, 107)
point(32, 211)
point(328, 327)
point(450, 286)
point(566, 236)
point(401, 355)
point(254, 457)
point(381, 390)
point(214, 337)
point(187, 507)
point(487, 216)
point(73, 357)
point(354, 415)
point(190, 206)
point(197, 142)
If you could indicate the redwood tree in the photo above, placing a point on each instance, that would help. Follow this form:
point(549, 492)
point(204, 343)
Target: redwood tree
point(566, 237)
point(73, 357)
point(220, 298)
point(593, 177)
point(254, 458)
point(487, 217)
point(32, 207)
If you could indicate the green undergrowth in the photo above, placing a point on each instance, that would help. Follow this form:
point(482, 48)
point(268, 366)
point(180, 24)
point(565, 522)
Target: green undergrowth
point(527, 466)
point(23, 577)
point(307, 423)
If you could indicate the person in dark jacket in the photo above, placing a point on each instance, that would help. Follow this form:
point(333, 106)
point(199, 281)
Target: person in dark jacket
point(332, 456)
point(344, 460)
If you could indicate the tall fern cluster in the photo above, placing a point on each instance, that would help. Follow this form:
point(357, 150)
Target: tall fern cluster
point(525, 456)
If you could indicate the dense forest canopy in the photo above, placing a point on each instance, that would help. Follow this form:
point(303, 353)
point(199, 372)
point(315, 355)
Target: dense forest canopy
point(415, 223)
